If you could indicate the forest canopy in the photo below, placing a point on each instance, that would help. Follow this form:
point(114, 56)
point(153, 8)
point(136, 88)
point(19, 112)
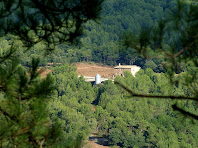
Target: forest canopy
point(25, 96)
point(61, 109)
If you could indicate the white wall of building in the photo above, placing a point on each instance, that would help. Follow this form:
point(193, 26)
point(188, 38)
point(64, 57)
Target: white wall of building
point(135, 69)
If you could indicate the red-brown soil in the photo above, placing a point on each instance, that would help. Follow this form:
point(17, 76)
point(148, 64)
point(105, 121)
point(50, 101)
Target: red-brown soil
point(91, 70)
point(86, 69)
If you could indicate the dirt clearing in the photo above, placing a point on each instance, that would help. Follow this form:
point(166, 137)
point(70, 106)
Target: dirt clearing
point(91, 70)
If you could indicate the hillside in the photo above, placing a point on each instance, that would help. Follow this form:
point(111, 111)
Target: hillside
point(101, 42)
point(157, 107)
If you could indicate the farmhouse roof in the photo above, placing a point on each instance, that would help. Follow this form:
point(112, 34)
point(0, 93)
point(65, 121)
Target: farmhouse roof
point(125, 66)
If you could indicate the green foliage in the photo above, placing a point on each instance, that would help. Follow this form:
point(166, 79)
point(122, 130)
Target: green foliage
point(175, 40)
point(62, 110)
point(101, 41)
point(72, 106)
point(23, 108)
point(141, 122)
point(34, 26)
point(51, 22)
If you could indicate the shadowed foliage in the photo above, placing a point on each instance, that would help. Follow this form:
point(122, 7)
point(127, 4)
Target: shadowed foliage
point(24, 95)
point(174, 39)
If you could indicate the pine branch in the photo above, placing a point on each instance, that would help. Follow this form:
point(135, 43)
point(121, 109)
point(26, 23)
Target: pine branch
point(164, 97)
point(13, 118)
point(10, 12)
point(184, 112)
point(155, 96)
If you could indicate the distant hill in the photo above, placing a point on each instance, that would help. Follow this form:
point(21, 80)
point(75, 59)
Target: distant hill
point(101, 40)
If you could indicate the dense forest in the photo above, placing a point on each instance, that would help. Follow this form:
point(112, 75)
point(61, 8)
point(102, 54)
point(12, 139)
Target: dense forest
point(64, 106)
point(101, 40)
point(126, 121)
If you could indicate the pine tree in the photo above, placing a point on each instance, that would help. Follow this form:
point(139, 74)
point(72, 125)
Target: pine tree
point(24, 120)
point(174, 39)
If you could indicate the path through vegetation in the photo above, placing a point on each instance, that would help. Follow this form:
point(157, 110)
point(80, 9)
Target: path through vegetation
point(97, 142)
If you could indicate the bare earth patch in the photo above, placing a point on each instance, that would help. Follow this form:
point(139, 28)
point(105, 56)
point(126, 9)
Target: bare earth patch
point(91, 70)
point(86, 69)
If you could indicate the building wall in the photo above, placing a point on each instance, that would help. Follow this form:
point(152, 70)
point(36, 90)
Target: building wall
point(121, 71)
point(134, 70)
